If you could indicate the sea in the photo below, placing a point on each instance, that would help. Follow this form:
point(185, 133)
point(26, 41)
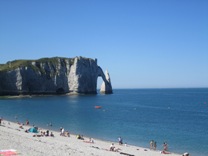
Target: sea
point(176, 116)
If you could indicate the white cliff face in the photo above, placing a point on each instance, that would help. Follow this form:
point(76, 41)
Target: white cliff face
point(106, 87)
point(83, 76)
point(19, 79)
point(107, 75)
point(73, 77)
point(57, 76)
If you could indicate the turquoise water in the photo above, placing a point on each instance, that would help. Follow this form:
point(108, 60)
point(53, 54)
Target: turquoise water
point(177, 116)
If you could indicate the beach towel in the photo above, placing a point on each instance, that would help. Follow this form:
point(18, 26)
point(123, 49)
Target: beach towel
point(9, 152)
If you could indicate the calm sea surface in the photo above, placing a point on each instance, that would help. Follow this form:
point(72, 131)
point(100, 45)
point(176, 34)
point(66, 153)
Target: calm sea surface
point(177, 116)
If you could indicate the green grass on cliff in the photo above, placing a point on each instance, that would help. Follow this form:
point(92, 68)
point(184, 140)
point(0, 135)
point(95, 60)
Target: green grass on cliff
point(11, 65)
point(14, 64)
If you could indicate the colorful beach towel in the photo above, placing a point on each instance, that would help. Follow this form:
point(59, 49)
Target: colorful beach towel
point(9, 152)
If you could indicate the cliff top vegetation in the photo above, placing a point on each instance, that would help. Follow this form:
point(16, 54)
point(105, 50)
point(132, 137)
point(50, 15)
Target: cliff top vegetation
point(11, 65)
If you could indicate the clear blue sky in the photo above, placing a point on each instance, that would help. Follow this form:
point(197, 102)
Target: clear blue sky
point(142, 43)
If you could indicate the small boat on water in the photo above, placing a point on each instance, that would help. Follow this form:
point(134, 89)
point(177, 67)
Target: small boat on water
point(98, 107)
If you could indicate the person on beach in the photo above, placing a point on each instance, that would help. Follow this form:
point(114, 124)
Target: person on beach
point(90, 141)
point(165, 152)
point(47, 133)
point(120, 141)
point(21, 126)
point(165, 149)
point(112, 147)
point(155, 145)
point(66, 134)
point(52, 135)
point(62, 131)
point(27, 122)
point(185, 154)
point(0, 120)
point(38, 135)
point(165, 146)
point(80, 137)
point(151, 144)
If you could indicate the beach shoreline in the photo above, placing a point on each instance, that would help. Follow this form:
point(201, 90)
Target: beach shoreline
point(13, 136)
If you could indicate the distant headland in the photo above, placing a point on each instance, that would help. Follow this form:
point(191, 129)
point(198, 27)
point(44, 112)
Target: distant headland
point(55, 75)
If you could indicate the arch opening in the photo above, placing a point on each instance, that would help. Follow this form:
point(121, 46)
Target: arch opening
point(99, 83)
point(105, 87)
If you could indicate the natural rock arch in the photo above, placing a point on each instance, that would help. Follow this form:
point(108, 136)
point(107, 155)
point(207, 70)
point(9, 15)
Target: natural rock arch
point(106, 87)
point(53, 76)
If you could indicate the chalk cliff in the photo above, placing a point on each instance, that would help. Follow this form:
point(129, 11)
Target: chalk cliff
point(52, 76)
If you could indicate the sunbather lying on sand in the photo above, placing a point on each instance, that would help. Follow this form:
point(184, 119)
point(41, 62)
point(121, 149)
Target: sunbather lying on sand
point(164, 152)
point(90, 141)
point(37, 135)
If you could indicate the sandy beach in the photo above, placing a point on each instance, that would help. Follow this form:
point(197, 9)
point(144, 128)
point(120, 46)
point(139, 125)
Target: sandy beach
point(13, 137)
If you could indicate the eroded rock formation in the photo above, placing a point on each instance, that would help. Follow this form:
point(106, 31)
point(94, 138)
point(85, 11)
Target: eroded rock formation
point(52, 76)
point(106, 87)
